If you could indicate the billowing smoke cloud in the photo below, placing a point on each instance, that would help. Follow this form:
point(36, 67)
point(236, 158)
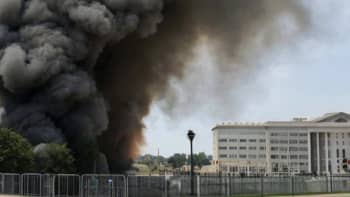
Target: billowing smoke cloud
point(84, 72)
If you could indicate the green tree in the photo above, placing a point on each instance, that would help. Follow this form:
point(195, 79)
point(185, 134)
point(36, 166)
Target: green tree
point(16, 153)
point(177, 160)
point(54, 158)
point(200, 159)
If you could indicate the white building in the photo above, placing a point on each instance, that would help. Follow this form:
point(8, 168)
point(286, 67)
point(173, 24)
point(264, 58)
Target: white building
point(315, 146)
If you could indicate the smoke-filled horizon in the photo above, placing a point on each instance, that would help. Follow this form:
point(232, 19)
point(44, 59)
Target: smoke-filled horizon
point(85, 72)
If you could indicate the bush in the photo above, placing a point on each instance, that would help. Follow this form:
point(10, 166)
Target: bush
point(54, 158)
point(16, 153)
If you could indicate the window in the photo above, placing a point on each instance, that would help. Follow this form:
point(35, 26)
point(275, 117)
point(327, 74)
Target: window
point(303, 157)
point(274, 148)
point(242, 156)
point(252, 156)
point(284, 141)
point(233, 169)
point(303, 134)
point(302, 141)
point(274, 134)
point(233, 156)
point(337, 153)
point(274, 141)
point(262, 156)
point(252, 148)
point(222, 140)
point(252, 140)
point(233, 140)
point(343, 153)
point(294, 156)
point(293, 141)
point(242, 140)
point(293, 134)
point(262, 140)
point(283, 156)
point(222, 148)
point(262, 147)
point(223, 156)
point(274, 157)
point(274, 167)
point(283, 149)
point(293, 148)
point(242, 148)
point(342, 135)
point(233, 147)
point(303, 148)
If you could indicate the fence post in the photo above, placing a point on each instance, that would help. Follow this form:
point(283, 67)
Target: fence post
point(80, 186)
point(228, 185)
point(20, 185)
point(2, 183)
point(40, 184)
point(165, 186)
point(292, 185)
point(53, 186)
point(198, 185)
point(127, 185)
point(262, 186)
point(331, 183)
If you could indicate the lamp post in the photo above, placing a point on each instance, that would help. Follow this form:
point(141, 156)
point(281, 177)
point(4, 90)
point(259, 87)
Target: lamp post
point(190, 136)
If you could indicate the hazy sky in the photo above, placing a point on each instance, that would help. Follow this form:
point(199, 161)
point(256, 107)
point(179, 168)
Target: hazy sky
point(306, 79)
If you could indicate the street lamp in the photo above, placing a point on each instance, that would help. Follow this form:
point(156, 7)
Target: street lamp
point(190, 136)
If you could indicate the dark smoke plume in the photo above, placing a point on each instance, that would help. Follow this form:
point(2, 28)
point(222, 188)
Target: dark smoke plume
point(84, 72)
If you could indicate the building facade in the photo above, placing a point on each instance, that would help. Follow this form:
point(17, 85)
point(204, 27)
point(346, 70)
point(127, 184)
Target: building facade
point(300, 146)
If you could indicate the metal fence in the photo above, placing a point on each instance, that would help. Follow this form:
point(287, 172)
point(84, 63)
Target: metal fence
point(95, 185)
point(10, 183)
point(37, 184)
point(147, 186)
point(66, 185)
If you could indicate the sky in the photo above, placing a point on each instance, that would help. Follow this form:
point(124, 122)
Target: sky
point(305, 79)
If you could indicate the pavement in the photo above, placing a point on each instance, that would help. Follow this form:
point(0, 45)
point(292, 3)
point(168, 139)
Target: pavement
point(2, 195)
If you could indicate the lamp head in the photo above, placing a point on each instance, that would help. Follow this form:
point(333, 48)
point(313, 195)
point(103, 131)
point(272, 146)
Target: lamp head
point(191, 135)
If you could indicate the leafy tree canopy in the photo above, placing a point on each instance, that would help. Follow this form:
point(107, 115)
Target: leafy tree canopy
point(54, 158)
point(16, 153)
point(200, 159)
point(177, 160)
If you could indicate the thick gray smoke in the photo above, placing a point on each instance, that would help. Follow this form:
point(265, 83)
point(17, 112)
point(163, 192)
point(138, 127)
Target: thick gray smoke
point(84, 72)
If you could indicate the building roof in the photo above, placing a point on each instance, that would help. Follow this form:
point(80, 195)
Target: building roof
point(338, 119)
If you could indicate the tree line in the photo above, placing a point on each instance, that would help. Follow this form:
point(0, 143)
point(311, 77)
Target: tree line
point(17, 155)
point(177, 160)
